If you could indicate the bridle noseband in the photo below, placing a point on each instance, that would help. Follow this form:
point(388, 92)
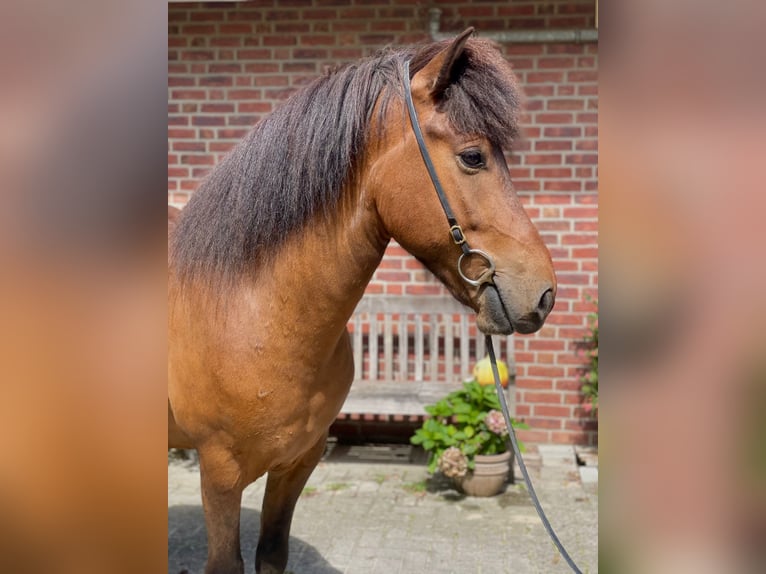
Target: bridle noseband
point(455, 231)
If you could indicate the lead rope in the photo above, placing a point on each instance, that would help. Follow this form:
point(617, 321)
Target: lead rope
point(522, 466)
point(456, 233)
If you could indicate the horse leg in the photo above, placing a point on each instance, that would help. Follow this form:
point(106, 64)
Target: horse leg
point(282, 491)
point(221, 499)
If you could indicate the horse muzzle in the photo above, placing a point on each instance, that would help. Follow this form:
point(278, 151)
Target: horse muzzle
point(502, 312)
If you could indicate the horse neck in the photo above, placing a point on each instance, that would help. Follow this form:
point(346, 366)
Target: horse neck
point(321, 273)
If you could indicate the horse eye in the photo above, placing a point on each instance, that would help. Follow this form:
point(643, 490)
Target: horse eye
point(472, 159)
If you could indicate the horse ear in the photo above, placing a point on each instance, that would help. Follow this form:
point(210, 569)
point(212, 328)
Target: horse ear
point(442, 70)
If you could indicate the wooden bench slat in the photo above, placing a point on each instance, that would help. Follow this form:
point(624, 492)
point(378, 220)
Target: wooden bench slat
point(398, 387)
point(418, 348)
point(388, 348)
point(464, 345)
point(357, 344)
point(404, 340)
point(373, 346)
point(433, 347)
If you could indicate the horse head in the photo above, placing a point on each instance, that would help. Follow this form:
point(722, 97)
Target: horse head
point(467, 103)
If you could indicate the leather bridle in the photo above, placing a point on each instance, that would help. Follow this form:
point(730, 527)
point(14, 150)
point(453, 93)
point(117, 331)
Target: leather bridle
point(456, 232)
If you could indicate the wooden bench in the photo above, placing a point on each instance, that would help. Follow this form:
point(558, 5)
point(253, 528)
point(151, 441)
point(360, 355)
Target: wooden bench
point(410, 351)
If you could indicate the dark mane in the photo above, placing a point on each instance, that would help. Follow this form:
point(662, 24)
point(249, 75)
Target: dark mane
point(296, 162)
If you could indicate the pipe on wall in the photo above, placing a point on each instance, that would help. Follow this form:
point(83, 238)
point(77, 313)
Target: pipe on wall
point(580, 35)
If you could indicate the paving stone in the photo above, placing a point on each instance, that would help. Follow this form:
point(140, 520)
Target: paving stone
point(372, 516)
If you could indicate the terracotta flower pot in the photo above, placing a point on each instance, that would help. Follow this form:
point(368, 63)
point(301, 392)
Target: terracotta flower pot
point(488, 477)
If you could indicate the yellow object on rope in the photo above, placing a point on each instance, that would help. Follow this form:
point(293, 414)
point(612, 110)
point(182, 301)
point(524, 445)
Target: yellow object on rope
point(482, 372)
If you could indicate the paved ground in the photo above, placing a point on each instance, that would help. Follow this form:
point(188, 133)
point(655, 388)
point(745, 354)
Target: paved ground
point(370, 510)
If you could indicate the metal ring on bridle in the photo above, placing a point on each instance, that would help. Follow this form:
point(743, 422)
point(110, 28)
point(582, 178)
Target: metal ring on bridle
point(485, 277)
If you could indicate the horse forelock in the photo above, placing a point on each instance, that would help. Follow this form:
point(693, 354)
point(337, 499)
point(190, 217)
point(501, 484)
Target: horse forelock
point(484, 98)
point(296, 162)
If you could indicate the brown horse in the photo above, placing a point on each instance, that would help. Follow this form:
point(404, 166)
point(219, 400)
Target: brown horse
point(274, 250)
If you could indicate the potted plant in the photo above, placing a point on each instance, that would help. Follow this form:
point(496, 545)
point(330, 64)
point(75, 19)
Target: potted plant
point(466, 439)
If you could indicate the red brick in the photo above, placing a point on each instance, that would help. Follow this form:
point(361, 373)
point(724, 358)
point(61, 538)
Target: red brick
point(207, 16)
point(253, 107)
point(552, 411)
point(526, 383)
point(536, 371)
point(522, 49)
point(543, 345)
point(388, 25)
point(590, 199)
point(180, 133)
point(317, 40)
point(217, 108)
point(533, 436)
point(538, 91)
point(559, 62)
point(476, 11)
point(242, 28)
point(566, 265)
point(565, 104)
point(541, 397)
point(569, 437)
point(582, 76)
point(558, 172)
point(197, 55)
point(231, 133)
point(292, 27)
point(563, 319)
point(245, 94)
point(586, 226)
point(188, 146)
point(274, 80)
point(216, 81)
point(201, 159)
point(187, 94)
point(573, 385)
point(554, 118)
point(286, 40)
point(220, 147)
point(522, 410)
point(539, 159)
point(587, 145)
point(319, 14)
point(562, 186)
point(208, 121)
point(544, 423)
point(564, 49)
point(544, 77)
point(585, 253)
point(563, 132)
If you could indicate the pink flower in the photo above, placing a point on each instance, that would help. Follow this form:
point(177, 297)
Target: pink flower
point(496, 422)
point(453, 462)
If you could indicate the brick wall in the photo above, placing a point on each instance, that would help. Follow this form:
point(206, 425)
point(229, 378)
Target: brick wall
point(230, 64)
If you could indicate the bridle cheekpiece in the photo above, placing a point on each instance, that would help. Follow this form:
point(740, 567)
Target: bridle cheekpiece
point(455, 231)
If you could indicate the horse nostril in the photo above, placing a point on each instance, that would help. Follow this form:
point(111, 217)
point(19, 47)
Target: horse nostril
point(546, 302)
